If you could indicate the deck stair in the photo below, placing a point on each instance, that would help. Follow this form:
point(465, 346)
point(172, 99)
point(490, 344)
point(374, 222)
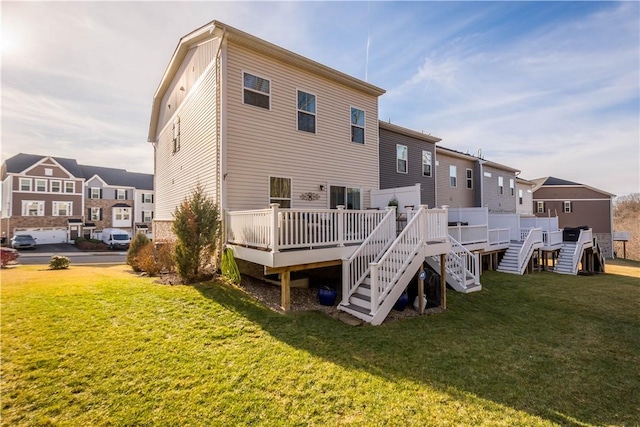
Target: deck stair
point(463, 268)
point(377, 274)
point(571, 252)
point(519, 252)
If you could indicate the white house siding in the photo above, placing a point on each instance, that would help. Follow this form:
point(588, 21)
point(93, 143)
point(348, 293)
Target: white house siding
point(262, 143)
point(492, 199)
point(176, 174)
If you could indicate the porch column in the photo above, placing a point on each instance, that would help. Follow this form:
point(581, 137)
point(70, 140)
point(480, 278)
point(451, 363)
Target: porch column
point(274, 227)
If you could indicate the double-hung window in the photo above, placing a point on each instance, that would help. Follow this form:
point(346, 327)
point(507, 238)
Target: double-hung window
point(539, 207)
point(32, 208)
point(41, 185)
point(69, 187)
point(566, 208)
point(121, 194)
point(55, 186)
point(122, 214)
point(357, 125)
point(25, 184)
point(512, 188)
point(453, 176)
point(95, 214)
point(62, 208)
point(147, 198)
point(147, 216)
point(256, 91)
point(306, 112)
point(520, 196)
point(426, 163)
point(469, 179)
point(500, 185)
point(280, 191)
point(96, 193)
point(402, 158)
point(176, 135)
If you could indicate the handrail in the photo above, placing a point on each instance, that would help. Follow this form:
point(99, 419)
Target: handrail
point(586, 236)
point(533, 235)
point(460, 260)
point(356, 268)
point(552, 238)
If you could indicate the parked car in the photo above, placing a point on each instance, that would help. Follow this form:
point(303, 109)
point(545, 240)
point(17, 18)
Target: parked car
point(9, 256)
point(23, 241)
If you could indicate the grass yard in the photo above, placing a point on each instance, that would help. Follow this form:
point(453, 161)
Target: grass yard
point(102, 346)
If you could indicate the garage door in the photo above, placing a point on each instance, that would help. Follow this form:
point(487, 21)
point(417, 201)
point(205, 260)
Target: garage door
point(45, 235)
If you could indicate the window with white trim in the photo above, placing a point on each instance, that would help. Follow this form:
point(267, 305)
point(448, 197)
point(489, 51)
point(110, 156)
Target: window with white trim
point(426, 163)
point(402, 158)
point(176, 134)
point(453, 176)
point(122, 214)
point(147, 216)
point(357, 125)
point(280, 191)
point(25, 184)
point(512, 188)
point(349, 197)
point(566, 207)
point(95, 214)
point(520, 196)
point(121, 194)
point(55, 186)
point(32, 208)
point(48, 172)
point(69, 187)
point(306, 112)
point(41, 185)
point(62, 208)
point(96, 193)
point(256, 91)
point(500, 185)
point(469, 179)
point(147, 198)
point(539, 207)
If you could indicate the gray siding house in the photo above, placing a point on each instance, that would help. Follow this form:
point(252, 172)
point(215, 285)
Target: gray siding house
point(407, 158)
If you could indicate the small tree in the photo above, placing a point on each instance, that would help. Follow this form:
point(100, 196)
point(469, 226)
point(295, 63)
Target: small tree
point(139, 241)
point(196, 225)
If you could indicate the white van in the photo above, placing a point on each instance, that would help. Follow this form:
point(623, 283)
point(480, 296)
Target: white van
point(116, 238)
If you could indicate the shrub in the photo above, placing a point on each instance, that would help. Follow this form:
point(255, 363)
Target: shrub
point(196, 226)
point(165, 256)
point(146, 260)
point(59, 262)
point(139, 241)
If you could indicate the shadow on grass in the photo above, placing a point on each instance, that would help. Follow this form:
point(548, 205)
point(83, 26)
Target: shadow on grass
point(516, 344)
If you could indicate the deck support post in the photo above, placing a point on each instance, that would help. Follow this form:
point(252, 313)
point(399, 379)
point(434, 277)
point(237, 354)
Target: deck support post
point(443, 281)
point(285, 290)
point(421, 291)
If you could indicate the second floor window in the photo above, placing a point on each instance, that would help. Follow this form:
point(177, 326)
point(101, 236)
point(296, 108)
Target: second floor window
point(147, 216)
point(357, 125)
point(62, 209)
point(147, 198)
point(306, 112)
point(402, 157)
point(32, 208)
point(122, 214)
point(540, 207)
point(69, 187)
point(96, 193)
point(257, 91)
point(453, 176)
point(426, 163)
point(121, 194)
point(500, 185)
point(41, 185)
point(469, 179)
point(520, 196)
point(25, 184)
point(567, 207)
point(56, 186)
point(512, 188)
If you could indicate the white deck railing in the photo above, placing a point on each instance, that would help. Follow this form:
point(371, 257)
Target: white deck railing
point(552, 238)
point(499, 236)
point(531, 238)
point(357, 267)
point(424, 226)
point(468, 234)
point(585, 240)
point(277, 229)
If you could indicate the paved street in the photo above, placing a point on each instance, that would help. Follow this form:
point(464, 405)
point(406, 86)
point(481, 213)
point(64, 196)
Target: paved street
point(43, 253)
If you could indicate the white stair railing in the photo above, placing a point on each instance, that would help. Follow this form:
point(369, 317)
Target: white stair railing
point(529, 237)
point(461, 262)
point(424, 226)
point(585, 239)
point(357, 267)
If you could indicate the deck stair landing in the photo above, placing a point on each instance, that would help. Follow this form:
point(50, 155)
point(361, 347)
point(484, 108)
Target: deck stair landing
point(463, 268)
point(519, 252)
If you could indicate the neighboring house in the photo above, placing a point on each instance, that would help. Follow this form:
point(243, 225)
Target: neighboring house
point(464, 180)
point(524, 193)
point(407, 158)
point(56, 199)
point(289, 150)
point(119, 199)
point(576, 205)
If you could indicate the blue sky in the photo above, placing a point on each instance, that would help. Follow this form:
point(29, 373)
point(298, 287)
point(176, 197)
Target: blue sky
point(550, 88)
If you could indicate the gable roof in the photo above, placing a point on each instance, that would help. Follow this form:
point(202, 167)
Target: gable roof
point(111, 176)
point(553, 181)
point(217, 29)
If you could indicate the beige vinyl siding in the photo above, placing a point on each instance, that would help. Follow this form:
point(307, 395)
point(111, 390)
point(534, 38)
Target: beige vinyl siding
point(263, 143)
point(176, 174)
point(193, 67)
point(459, 196)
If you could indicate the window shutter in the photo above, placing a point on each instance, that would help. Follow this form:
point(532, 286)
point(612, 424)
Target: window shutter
point(89, 192)
point(152, 201)
point(100, 213)
point(125, 194)
point(101, 193)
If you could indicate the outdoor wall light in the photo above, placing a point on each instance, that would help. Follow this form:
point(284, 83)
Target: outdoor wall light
point(321, 187)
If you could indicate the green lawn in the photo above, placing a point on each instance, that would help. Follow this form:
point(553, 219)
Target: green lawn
point(101, 346)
